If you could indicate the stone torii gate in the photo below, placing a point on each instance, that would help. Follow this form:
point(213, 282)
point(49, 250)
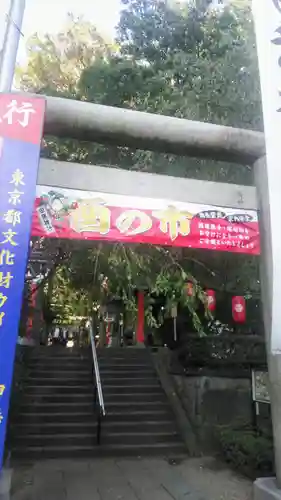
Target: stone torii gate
point(92, 122)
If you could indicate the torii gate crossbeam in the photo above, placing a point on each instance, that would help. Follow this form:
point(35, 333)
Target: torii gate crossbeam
point(82, 177)
point(105, 124)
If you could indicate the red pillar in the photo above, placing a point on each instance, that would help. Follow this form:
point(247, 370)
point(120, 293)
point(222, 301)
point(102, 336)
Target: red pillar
point(140, 323)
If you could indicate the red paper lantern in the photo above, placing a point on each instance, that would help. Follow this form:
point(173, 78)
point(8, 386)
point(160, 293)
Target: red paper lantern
point(239, 309)
point(189, 288)
point(211, 300)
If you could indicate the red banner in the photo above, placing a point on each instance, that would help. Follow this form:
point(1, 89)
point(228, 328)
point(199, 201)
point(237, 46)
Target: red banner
point(21, 117)
point(92, 216)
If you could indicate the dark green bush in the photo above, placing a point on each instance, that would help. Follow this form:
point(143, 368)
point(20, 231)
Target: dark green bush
point(248, 451)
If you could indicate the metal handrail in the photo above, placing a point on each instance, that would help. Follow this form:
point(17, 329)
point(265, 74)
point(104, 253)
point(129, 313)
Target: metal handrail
point(98, 386)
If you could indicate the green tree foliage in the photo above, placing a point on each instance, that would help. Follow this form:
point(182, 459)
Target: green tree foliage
point(181, 59)
point(115, 271)
point(92, 274)
point(185, 61)
point(202, 62)
point(55, 63)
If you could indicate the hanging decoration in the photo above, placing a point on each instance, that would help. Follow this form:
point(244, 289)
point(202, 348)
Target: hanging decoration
point(239, 309)
point(189, 288)
point(211, 300)
point(85, 215)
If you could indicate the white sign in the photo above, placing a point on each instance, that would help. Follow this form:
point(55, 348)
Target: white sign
point(260, 386)
point(267, 17)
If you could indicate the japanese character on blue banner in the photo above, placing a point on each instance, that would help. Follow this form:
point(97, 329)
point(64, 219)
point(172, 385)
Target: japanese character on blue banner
point(21, 126)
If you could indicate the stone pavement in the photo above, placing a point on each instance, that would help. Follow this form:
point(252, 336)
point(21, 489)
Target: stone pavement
point(202, 478)
point(104, 479)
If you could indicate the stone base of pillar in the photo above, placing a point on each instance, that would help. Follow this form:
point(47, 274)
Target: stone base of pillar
point(140, 345)
point(5, 484)
point(26, 341)
point(265, 488)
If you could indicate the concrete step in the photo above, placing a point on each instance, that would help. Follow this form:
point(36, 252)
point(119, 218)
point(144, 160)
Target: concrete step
point(61, 381)
point(64, 354)
point(80, 394)
point(85, 405)
point(131, 389)
point(132, 397)
point(33, 416)
point(57, 405)
point(59, 370)
point(66, 399)
point(127, 364)
point(130, 382)
point(75, 389)
point(60, 352)
point(63, 359)
point(34, 453)
point(125, 406)
point(122, 409)
point(32, 383)
point(116, 363)
point(90, 427)
point(122, 352)
point(65, 417)
point(39, 373)
point(60, 365)
point(155, 415)
point(57, 415)
point(60, 362)
point(126, 374)
point(86, 438)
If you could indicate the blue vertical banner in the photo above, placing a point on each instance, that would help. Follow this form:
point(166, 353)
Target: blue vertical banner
point(21, 128)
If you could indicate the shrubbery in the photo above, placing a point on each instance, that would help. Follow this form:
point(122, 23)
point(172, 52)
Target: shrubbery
point(248, 451)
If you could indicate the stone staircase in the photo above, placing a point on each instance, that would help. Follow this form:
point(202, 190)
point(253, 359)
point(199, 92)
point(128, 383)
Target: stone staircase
point(57, 417)
point(139, 420)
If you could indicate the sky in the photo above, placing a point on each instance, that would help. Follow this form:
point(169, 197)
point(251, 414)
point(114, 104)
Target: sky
point(49, 16)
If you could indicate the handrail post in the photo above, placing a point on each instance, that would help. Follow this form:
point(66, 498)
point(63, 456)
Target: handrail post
point(98, 395)
point(99, 427)
point(95, 394)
